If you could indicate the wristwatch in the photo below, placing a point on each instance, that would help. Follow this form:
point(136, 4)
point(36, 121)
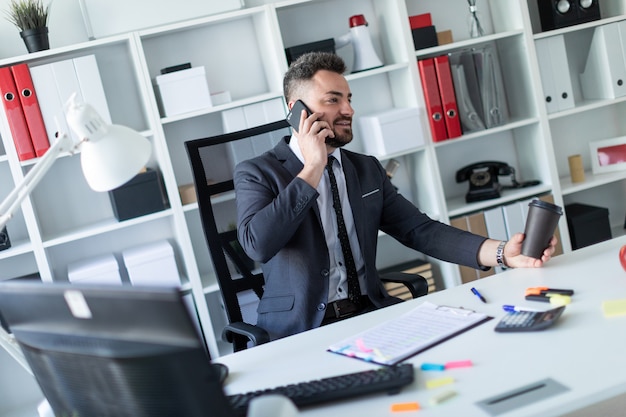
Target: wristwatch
point(500, 254)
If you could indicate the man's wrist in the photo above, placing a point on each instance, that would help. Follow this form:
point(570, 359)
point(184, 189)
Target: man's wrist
point(500, 254)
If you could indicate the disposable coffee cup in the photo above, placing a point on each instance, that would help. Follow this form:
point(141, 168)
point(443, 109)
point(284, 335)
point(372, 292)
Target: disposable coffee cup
point(540, 226)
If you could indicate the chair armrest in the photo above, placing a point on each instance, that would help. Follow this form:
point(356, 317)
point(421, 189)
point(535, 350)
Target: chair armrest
point(416, 284)
point(256, 335)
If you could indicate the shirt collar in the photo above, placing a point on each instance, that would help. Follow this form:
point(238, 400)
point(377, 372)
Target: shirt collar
point(293, 144)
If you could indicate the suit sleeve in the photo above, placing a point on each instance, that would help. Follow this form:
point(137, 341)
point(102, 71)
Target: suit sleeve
point(413, 228)
point(271, 204)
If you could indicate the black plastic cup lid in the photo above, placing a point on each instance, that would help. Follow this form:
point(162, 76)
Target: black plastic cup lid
point(546, 205)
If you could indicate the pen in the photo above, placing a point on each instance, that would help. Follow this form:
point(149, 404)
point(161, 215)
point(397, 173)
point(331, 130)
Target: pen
point(475, 291)
point(510, 308)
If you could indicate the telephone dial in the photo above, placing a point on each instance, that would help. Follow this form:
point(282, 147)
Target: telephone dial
point(483, 180)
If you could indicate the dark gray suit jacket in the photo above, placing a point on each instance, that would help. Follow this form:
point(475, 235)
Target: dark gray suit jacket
point(279, 225)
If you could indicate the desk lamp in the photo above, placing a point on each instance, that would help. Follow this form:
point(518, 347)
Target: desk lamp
point(111, 155)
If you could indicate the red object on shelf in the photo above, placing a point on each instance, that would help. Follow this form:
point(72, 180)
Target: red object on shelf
point(420, 21)
point(622, 257)
point(448, 96)
point(428, 76)
point(15, 115)
point(30, 107)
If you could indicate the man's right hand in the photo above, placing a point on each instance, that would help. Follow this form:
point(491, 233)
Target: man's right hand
point(312, 134)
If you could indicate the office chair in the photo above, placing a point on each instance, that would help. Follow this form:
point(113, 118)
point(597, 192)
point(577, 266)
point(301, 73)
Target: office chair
point(223, 244)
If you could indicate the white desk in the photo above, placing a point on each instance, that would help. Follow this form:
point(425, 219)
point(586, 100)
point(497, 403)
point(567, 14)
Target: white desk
point(584, 351)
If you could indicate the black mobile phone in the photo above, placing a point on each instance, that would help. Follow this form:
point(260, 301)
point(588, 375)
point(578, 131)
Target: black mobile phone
point(296, 112)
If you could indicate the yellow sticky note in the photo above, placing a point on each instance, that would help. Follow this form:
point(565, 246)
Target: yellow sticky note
point(434, 383)
point(559, 299)
point(612, 308)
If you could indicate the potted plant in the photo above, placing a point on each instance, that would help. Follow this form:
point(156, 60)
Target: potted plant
point(31, 17)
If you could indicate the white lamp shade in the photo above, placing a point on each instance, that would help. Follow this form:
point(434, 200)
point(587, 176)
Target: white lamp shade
point(111, 155)
point(114, 158)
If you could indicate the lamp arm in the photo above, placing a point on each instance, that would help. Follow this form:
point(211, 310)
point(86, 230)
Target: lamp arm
point(13, 201)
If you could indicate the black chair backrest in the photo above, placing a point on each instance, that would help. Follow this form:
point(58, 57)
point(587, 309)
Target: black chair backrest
point(221, 153)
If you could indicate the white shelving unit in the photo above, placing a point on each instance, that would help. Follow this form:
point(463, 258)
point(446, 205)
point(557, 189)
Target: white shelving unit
point(243, 53)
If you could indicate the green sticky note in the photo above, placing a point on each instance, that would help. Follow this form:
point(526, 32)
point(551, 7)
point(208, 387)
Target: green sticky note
point(612, 308)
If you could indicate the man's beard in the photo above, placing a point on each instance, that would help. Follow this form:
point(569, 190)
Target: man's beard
point(343, 136)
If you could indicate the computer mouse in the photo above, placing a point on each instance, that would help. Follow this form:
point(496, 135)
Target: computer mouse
point(272, 405)
point(222, 370)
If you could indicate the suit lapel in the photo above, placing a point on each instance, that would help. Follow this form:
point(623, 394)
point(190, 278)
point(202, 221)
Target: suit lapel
point(354, 194)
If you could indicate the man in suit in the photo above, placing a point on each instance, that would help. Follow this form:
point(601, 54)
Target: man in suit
point(286, 219)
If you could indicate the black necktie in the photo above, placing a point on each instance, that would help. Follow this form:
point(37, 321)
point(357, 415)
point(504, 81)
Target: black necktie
point(354, 290)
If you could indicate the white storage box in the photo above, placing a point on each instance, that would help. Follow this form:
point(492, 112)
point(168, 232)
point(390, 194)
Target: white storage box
point(183, 91)
point(98, 270)
point(152, 264)
point(391, 131)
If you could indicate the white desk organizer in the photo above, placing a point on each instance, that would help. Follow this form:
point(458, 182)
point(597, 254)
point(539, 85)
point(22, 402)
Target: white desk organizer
point(391, 131)
point(98, 270)
point(183, 91)
point(152, 264)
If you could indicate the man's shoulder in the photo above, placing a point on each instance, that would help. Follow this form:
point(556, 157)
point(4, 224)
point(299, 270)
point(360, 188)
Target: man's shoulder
point(276, 155)
point(359, 159)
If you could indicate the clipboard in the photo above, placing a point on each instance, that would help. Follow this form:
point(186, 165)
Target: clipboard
point(395, 340)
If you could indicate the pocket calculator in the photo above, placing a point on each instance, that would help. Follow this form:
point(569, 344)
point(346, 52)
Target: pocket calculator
point(527, 321)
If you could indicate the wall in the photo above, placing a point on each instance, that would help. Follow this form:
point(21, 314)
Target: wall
point(66, 27)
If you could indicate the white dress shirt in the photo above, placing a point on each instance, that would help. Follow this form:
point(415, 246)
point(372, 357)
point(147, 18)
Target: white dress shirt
point(338, 279)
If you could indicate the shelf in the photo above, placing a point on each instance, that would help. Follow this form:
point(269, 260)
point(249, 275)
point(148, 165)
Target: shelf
point(221, 107)
point(103, 227)
point(457, 206)
point(376, 71)
point(578, 27)
point(486, 132)
point(468, 43)
point(16, 249)
point(591, 181)
point(585, 106)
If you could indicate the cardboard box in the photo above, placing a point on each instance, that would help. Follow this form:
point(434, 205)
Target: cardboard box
point(183, 91)
point(152, 264)
point(587, 224)
point(99, 270)
point(140, 196)
point(444, 37)
point(391, 131)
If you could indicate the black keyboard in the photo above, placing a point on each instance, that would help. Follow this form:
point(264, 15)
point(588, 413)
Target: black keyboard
point(390, 379)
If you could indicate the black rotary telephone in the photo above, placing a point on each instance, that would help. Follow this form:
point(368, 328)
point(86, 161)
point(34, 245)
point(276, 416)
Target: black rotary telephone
point(483, 179)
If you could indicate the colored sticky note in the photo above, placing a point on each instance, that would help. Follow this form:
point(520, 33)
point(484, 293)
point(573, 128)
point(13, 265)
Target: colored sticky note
point(612, 308)
point(444, 396)
point(432, 367)
point(434, 383)
point(559, 299)
point(413, 406)
point(458, 364)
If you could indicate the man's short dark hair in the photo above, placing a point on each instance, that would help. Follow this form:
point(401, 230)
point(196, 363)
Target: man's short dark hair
point(305, 67)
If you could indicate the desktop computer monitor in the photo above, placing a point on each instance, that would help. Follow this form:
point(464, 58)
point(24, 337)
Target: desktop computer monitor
point(117, 351)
